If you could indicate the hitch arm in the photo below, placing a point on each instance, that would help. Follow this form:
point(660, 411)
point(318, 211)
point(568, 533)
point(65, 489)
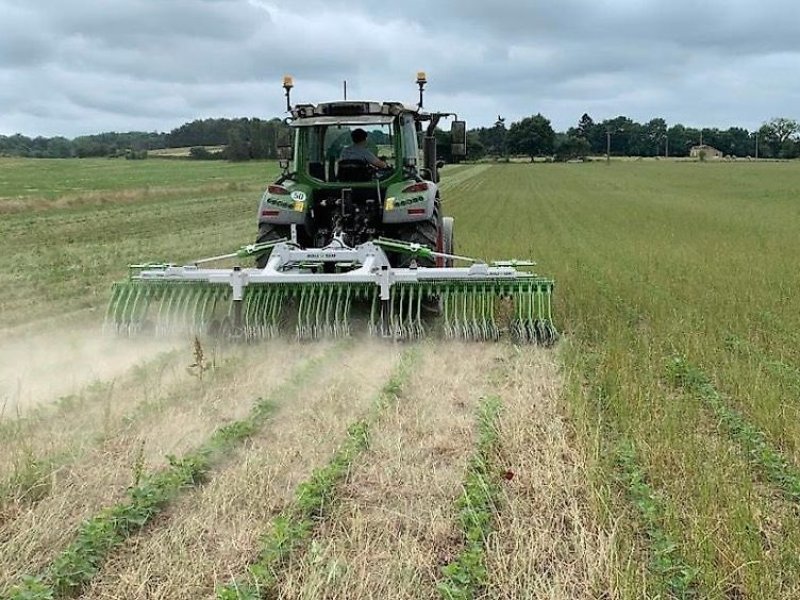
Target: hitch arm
point(417, 250)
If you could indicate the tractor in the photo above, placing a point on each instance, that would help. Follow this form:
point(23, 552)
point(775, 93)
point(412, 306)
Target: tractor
point(321, 197)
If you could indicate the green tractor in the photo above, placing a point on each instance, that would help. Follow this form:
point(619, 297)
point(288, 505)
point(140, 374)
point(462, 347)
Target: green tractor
point(351, 231)
point(323, 195)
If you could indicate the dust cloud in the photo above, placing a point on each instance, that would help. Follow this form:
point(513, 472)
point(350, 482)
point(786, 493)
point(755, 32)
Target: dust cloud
point(37, 368)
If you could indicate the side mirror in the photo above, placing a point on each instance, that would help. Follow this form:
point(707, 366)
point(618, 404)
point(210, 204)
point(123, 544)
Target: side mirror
point(285, 153)
point(439, 164)
point(458, 134)
point(285, 149)
point(283, 164)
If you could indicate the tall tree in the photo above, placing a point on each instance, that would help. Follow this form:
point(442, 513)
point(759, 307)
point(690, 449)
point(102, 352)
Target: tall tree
point(532, 136)
point(781, 129)
point(655, 133)
point(780, 138)
point(585, 127)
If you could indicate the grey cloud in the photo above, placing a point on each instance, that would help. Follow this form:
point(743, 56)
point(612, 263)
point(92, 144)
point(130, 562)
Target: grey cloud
point(22, 43)
point(120, 22)
point(74, 66)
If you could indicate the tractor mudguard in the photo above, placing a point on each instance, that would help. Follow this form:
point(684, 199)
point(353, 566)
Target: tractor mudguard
point(284, 204)
point(409, 201)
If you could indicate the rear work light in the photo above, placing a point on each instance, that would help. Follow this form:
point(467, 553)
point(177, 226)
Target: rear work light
point(278, 190)
point(416, 187)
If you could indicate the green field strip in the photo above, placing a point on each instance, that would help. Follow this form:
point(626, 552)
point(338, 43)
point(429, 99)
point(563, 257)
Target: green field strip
point(465, 577)
point(651, 555)
point(97, 537)
point(671, 577)
point(290, 531)
point(55, 178)
point(773, 465)
point(451, 182)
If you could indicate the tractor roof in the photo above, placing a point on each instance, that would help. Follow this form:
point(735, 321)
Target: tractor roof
point(347, 110)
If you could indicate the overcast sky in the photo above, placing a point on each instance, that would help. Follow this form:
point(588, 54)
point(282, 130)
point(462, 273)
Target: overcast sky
point(69, 67)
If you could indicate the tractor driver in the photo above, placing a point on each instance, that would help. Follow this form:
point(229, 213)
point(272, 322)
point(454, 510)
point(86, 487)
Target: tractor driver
point(359, 150)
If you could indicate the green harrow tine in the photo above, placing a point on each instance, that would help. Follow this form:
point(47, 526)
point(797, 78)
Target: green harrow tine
point(252, 300)
point(374, 314)
point(346, 312)
point(125, 313)
point(190, 298)
point(328, 322)
point(319, 325)
point(300, 315)
point(113, 317)
point(446, 313)
point(160, 315)
point(338, 316)
point(273, 299)
point(420, 330)
point(398, 331)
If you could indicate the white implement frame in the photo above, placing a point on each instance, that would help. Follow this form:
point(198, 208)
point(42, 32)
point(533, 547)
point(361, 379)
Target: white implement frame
point(290, 264)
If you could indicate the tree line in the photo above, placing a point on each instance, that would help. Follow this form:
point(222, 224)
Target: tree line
point(243, 139)
point(621, 136)
point(246, 139)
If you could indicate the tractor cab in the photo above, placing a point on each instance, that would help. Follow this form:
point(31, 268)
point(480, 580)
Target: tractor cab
point(325, 150)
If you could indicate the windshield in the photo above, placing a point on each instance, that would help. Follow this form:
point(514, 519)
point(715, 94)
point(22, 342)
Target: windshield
point(324, 144)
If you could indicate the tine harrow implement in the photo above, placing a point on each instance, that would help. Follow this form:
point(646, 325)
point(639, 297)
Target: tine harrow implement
point(315, 292)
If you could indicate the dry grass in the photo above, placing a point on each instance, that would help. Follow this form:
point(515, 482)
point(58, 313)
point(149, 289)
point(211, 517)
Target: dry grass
point(33, 533)
point(546, 543)
point(212, 533)
point(396, 524)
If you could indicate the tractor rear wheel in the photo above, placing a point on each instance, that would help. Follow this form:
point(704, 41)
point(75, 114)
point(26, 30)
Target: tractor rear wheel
point(269, 233)
point(425, 233)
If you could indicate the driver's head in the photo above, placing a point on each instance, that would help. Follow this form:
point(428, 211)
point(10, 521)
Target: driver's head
point(358, 136)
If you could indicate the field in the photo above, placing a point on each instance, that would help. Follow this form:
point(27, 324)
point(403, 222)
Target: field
point(653, 453)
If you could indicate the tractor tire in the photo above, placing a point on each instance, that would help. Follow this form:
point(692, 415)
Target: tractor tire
point(269, 233)
point(424, 233)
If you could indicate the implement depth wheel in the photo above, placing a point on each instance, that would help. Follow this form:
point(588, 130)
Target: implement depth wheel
point(448, 245)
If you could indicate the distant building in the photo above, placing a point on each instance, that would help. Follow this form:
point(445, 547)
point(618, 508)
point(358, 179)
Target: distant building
point(708, 152)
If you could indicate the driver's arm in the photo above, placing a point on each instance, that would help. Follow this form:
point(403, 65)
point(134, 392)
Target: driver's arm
point(376, 162)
